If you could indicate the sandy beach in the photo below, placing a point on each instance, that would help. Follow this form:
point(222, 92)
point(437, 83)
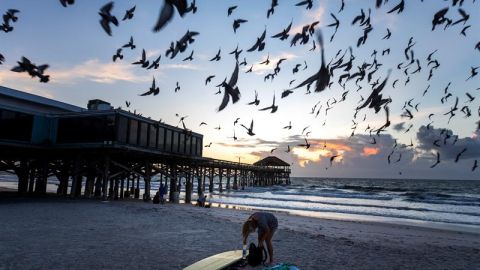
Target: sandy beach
point(56, 233)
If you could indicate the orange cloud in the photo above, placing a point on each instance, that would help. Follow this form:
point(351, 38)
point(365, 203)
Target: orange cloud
point(370, 151)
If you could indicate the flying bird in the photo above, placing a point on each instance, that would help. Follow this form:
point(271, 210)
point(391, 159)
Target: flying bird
point(398, 8)
point(284, 34)
point(322, 77)
point(107, 18)
point(209, 79)
point(273, 108)
point(250, 129)
point(118, 55)
point(166, 13)
point(230, 10)
point(129, 13)
point(231, 90)
point(256, 101)
point(236, 24)
point(130, 44)
point(65, 3)
point(437, 162)
point(143, 61)
point(25, 65)
point(307, 3)
point(154, 90)
point(271, 10)
point(260, 44)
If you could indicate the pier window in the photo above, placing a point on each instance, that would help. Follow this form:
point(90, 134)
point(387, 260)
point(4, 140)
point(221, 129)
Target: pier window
point(188, 145)
point(143, 133)
point(152, 137)
point(168, 140)
point(194, 145)
point(122, 129)
point(181, 144)
point(15, 126)
point(175, 142)
point(89, 129)
point(133, 130)
point(161, 138)
point(199, 146)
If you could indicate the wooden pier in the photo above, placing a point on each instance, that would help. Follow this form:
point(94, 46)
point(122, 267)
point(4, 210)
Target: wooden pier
point(107, 153)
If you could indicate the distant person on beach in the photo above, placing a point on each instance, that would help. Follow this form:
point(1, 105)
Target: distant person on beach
point(266, 224)
point(201, 200)
point(162, 191)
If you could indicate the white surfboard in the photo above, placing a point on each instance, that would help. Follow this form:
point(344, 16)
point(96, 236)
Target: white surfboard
point(218, 261)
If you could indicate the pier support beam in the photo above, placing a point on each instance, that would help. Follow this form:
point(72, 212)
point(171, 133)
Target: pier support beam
point(105, 177)
point(210, 186)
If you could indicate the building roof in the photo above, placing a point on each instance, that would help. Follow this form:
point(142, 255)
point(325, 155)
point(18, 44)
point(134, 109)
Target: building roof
point(38, 103)
point(271, 161)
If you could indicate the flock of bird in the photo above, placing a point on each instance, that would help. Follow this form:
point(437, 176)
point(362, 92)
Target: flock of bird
point(340, 69)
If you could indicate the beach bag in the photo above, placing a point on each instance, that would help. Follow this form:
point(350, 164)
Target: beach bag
point(256, 255)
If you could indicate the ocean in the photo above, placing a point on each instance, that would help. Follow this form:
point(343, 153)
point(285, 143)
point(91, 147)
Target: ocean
point(434, 203)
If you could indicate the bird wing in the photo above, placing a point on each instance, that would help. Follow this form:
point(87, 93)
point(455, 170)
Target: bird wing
point(166, 15)
point(226, 98)
point(234, 77)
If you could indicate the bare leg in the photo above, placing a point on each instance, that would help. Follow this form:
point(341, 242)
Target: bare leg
point(268, 241)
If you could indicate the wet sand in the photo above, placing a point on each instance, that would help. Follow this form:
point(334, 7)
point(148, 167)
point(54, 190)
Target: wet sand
point(52, 233)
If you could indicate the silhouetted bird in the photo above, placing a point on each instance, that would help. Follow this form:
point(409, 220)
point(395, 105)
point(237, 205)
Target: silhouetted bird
point(306, 144)
point(256, 101)
point(2, 59)
point(236, 24)
point(475, 165)
point(129, 14)
point(230, 10)
point(459, 154)
point(153, 90)
point(25, 65)
point(130, 44)
point(437, 162)
point(273, 108)
point(271, 10)
point(217, 57)
point(118, 55)
point(143, 61)
point(307, 3)
point(189, 58)
point(231, 89)
point(65, 3)
point(284, 34)
point(398, 8)
point(166, 13)
point(332, 158)
point(322, 77)
point(209, 79)
point(192, 8)
point(260, 44)
point(107, 18)
point(250, 129)
point(155, 64)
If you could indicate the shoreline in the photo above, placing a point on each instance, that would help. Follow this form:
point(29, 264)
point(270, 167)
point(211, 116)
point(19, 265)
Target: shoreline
point(453, 227)
point(57, 233)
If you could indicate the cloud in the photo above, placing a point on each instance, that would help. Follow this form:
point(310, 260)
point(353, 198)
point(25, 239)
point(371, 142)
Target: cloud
point(96, 71)
point(450, 144)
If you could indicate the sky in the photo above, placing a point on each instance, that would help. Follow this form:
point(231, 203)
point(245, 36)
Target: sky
point(79, 54)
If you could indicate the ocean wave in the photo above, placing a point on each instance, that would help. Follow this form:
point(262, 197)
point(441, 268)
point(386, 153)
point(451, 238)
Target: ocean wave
point(403, 208)
point(422, 218)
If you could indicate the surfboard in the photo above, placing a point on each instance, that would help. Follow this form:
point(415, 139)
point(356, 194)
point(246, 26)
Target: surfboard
point(218, 261)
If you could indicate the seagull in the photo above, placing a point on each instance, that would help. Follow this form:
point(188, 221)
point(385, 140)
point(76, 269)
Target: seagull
point(129, 14)
point(289, 126)
point(256, 101)
point(153, 90)
point(260, 44)
point(475, 165)
point(249, 130)
point(2, 59)
point(166, 13)
point(144, 62)
point(118, 55)
point(322, 77)
point(130, 44)
point(438, 160)
point(230, 10)
point(107, 18)
point(209, 79)
point(236, 24)
point(189, 58)
point(217, 57)
point(230, 90)
point(332, 158)
point(306, 144)
point(284, 34)
point(272, 8)
point(65, 3)
point(459, 154)
point(307, 3)
point(155, 64)
point(273, 107)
